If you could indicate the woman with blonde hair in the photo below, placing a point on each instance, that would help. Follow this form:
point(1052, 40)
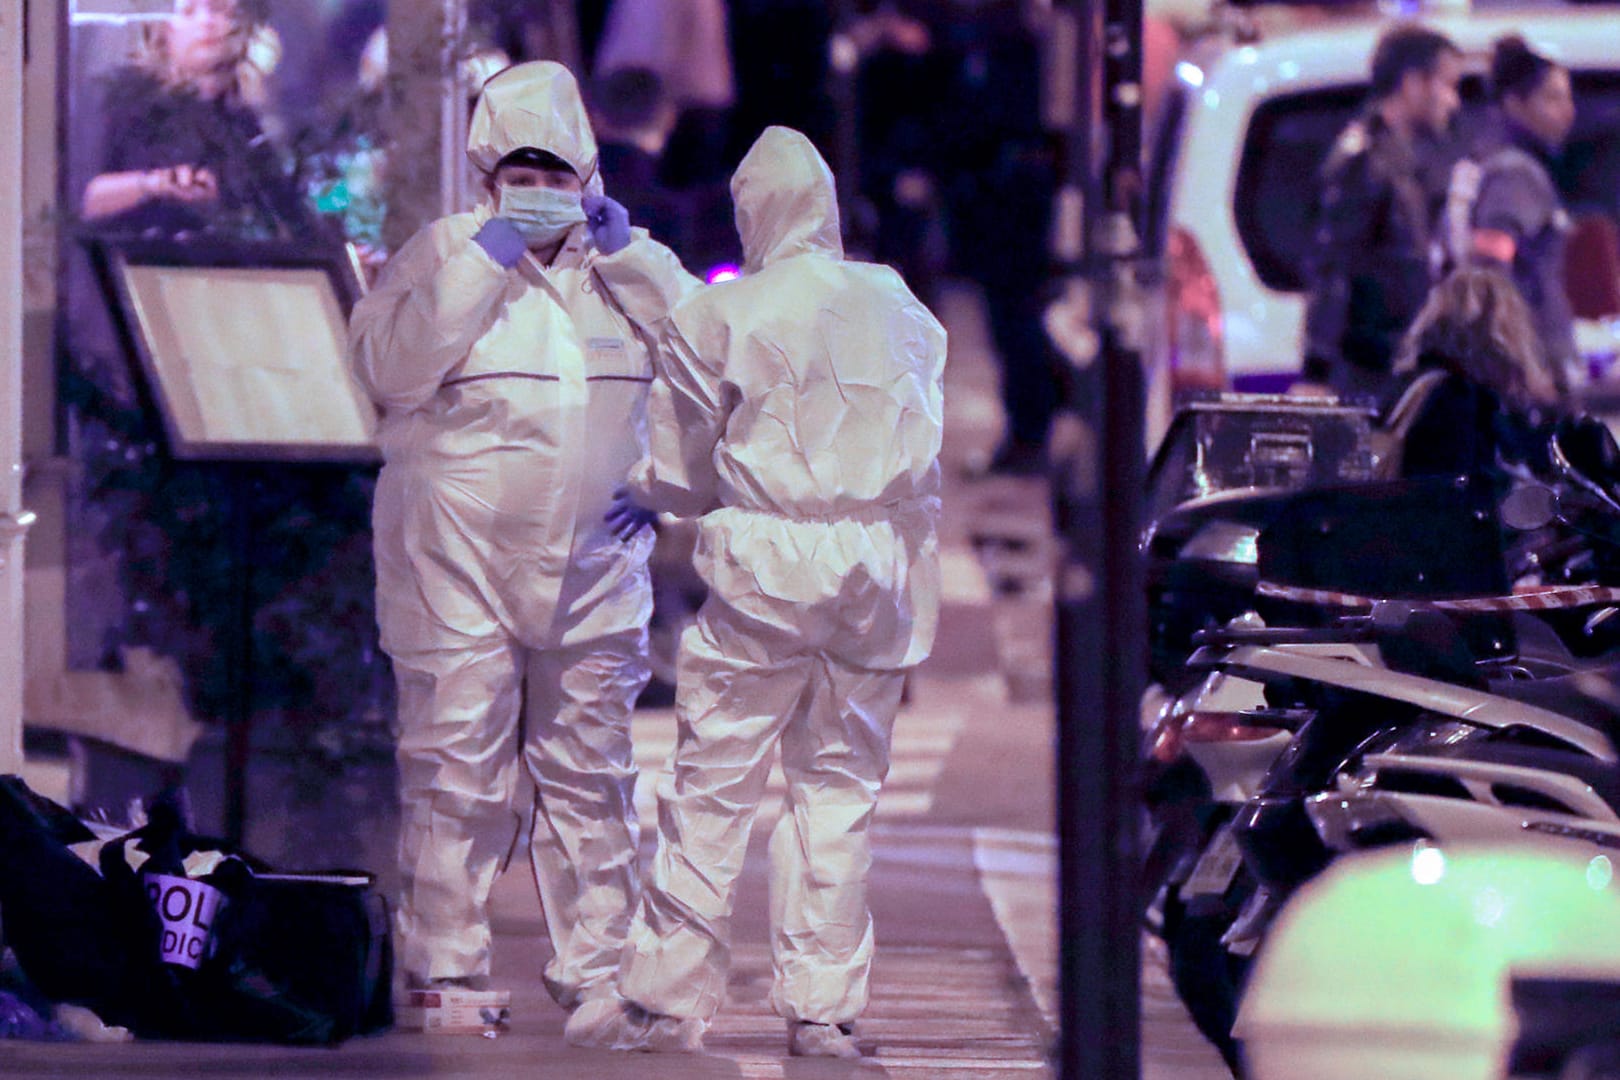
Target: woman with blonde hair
point(184, 146)
point(1474, 359)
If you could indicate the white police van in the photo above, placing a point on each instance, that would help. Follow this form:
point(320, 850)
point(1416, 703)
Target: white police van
point(1234, 163)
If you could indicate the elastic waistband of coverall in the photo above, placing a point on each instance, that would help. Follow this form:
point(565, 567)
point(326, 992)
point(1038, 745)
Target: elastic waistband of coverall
point(870, 514)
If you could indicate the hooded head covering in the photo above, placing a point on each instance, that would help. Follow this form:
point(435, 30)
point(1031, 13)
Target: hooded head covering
point(536, 104)
point(786, 201)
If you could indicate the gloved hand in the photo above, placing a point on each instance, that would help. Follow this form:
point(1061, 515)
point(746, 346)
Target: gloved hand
point(625, 517)
point(608, 222)
point(502, 241)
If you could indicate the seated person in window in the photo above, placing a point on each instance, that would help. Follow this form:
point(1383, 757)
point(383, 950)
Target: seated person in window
point(183, 148)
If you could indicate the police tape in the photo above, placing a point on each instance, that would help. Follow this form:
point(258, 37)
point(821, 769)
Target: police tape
point(1540, 598)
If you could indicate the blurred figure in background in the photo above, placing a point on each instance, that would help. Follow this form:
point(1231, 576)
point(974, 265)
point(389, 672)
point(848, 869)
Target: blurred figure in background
point(899, 214)
point(685, 43)
point(998, 166)
point(780, 62)
point(184, 147)
point(1518, 221)
point(634, 119)
point(1372, 260)
point(1485, 385)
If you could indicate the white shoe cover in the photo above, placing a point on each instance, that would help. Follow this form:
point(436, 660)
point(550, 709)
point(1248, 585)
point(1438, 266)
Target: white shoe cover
point(602, 1023)
point(612, 1023)
point(670, 1034)
point(822, 1040)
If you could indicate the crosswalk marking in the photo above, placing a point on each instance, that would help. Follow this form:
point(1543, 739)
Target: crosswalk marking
point(962, 578)
point(934, 1011)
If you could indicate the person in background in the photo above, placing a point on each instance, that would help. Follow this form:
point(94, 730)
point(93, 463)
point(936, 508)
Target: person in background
point(633, 118)
point(799, 411)
point(1372, 259)
point(999, 176)
point(184, 148)
point(899, 79)
point(1518, 222)
point(505, 348)
point(1486, 388)
point(687, 44)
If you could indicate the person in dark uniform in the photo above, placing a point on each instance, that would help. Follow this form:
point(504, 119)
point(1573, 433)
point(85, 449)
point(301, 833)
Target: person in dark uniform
point(634, 118)
point(1000, 174)
point(1372, 260)
point(1518, 220)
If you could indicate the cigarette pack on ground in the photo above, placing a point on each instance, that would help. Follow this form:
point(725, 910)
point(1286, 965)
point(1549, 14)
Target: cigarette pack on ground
point(454, 1012)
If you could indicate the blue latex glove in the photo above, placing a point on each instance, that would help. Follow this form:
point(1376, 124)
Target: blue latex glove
point(502, 240)
point(608, 222)
point(625, 518)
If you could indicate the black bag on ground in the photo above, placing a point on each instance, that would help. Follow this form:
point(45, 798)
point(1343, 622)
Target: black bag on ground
point(324, 939)
point(75, 937)
point(293, 958)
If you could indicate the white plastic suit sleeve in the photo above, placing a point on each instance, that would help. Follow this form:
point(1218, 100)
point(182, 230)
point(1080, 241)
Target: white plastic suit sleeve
point(686, 414)
point(646, 280)
point(438, 296)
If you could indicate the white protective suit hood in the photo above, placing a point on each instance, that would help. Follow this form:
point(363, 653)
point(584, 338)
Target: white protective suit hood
point(536, 105)
point(787, 203)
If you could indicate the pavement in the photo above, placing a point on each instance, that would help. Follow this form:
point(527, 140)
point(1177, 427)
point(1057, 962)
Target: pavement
point(962, 888)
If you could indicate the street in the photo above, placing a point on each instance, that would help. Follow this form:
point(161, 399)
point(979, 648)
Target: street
point(962, 888)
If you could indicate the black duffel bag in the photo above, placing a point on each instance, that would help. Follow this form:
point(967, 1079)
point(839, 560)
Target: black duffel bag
point(289, 958)
point(292, 958)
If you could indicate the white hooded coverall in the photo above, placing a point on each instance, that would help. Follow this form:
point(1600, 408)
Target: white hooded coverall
point(513, 405)
point(799, 409)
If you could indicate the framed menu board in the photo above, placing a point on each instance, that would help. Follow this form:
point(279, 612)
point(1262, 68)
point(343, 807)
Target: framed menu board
point(244, 345)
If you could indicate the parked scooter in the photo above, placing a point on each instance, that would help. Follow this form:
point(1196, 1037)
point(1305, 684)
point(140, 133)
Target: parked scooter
point(1275, 747)
point(1456, 720)
point(1213, 746)
point(1229, 467)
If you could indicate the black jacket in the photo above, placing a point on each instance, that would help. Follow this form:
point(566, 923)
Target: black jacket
point(1371, 263)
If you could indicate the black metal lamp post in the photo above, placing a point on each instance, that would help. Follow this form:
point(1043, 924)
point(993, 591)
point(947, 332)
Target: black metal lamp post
point(1101, 623)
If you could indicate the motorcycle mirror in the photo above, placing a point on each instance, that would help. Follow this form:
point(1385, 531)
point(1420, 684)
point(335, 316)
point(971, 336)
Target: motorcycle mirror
point(1583, 450)
point(1529, 508)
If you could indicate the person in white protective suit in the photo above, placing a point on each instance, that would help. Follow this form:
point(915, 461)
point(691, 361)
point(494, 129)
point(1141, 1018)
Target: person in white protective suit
point(505, 347)
point(799, 410)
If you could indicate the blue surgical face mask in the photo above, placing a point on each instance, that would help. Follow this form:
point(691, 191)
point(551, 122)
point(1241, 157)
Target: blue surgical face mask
point(543, 215)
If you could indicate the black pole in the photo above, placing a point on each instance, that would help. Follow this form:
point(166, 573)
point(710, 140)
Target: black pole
point(1101, 621)
point(238, 723)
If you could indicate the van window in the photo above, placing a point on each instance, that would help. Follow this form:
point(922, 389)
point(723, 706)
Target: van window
point(1289, 137)
point(1287, 141)
point(1589, 171)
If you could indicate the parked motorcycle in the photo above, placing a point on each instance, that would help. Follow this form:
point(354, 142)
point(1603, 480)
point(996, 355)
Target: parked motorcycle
point(1281, 711)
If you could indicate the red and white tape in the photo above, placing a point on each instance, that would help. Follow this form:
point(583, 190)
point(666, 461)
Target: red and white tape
point(1540, 598)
